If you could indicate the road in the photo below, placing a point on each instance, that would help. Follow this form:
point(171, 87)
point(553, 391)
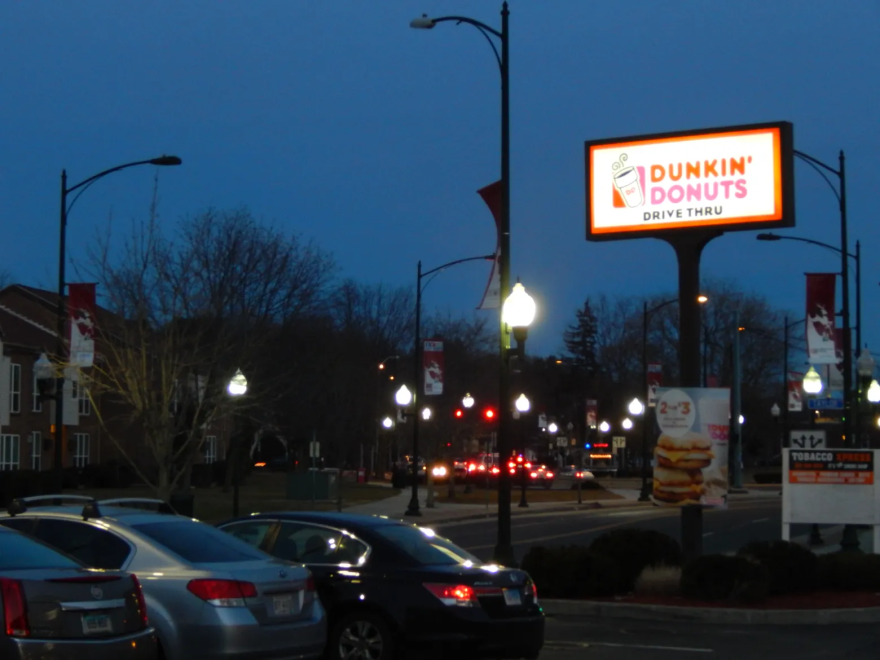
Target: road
point(568, 638)
point(723, 531)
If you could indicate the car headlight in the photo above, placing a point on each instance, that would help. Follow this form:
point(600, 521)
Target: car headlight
point(439, 471)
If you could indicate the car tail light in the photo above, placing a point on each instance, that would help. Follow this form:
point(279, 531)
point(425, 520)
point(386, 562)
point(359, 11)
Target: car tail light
point(528, 466)
point(141, 601)
point(460, 595)
point(578, 475)
point(532, 590)
point(511, 464)
point(512, 471)
point(310, 584)
point(222, 593)
point(534, 475)
point(482, 468)
point(549, 475)
point(496, 470)
point(14, 608)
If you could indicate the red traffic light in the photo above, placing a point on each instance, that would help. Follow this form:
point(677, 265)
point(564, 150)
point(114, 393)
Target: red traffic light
point(459, 413)
point(489, 414)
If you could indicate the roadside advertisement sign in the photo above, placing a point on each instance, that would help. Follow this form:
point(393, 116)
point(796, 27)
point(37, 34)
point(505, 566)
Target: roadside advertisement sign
point(831, 467)
point(735, 178)
point(691, 453)
point(831, 487)
point(432, 361)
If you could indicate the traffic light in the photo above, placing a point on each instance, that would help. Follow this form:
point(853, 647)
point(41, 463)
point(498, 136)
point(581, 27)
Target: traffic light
point(489, 414)
point(459, 413)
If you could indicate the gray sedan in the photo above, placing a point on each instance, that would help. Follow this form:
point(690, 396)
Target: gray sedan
point(210, 595)
point(52, 607)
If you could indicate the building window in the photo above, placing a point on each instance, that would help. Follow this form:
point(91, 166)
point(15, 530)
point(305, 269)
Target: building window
point(82, 396)
point(15, 388)
point(211, 449)
point(36, 401)
point(36, 451)
point(80, 449)
point(9, 452)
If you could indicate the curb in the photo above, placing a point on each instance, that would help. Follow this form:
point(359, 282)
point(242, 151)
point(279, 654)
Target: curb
point(603, 610)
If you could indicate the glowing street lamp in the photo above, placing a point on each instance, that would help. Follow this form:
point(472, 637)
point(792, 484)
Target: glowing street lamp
point(604, 427)
point(636, 407)
point(627, 424)
point(426, 414)
point(523, 404)
point(403, 396)
point(553, 428)
point(518, 312)
point(874, 392)
point(468, 401)
point(237, 384)
point(813, 381)
point(388, 423)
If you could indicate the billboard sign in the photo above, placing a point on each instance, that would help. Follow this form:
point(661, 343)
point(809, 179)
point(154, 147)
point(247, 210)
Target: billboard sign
point(734, 178)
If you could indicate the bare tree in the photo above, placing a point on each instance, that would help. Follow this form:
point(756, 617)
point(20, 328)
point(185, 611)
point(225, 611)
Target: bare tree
point(188, 310)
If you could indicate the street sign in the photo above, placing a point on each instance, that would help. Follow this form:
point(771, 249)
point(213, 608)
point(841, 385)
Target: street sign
point(825, 404)
point(542, 421)
point(314, 449)
point(561, 442)
point(809, 439)
point(618, 442)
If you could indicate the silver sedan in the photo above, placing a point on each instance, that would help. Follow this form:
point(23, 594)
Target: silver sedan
point(210, 595)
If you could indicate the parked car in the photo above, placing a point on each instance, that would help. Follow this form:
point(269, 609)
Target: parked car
point(209, 595)
point(575, 475)
point(389, 585)
point(53, 607)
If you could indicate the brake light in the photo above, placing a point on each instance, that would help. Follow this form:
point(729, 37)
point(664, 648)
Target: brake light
point(495, 470)
point(512, 471)
point(532, 590)
point(310, 584)
point(511, 464)
point(528, 466)
point(482, 468)
point(549, 475)
point(534, 475)
point(222, 593)
point(14, 608)
point(460, 595)
point(141, 601)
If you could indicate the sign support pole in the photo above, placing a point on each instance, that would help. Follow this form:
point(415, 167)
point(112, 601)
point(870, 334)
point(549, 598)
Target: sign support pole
point(688, 249)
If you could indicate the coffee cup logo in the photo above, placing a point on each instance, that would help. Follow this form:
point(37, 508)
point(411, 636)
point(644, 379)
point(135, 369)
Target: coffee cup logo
point(627, 182)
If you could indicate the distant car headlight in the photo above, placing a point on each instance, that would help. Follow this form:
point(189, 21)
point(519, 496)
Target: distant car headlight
point(439, 471)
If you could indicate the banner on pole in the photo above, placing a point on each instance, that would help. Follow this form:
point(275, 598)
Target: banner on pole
point(432, 362)
point(491, 194)
point(655, 380)
point(592, 413)
point(835, 371)
point(81, 308)
point(820, 331)
point(795, 391)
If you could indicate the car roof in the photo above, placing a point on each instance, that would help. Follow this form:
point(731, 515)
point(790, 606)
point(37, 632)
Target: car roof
point(126, 516)
point(326, 517)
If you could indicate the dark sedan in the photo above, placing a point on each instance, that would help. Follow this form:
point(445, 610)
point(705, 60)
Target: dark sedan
point(389, 585)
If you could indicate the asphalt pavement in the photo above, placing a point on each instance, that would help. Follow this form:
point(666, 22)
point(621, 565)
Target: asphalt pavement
point(570, 638)
point(723, 530)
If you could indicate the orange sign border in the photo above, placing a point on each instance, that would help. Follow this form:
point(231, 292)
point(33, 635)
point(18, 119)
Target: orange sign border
point(783, 173)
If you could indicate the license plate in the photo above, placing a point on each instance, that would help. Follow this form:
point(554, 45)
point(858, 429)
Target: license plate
point(282, 605)
point(96, 624)
point(512, 597)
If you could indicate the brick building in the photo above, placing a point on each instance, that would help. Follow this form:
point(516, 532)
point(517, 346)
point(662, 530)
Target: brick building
point(27, 329)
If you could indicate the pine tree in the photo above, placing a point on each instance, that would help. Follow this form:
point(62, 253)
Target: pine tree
point(580, 340)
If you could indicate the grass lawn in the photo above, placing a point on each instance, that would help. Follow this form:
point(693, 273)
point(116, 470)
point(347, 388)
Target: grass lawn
point(259, 493)
point(592, 493)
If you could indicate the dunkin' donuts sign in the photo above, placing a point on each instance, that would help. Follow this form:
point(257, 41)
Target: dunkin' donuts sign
point(732, 178)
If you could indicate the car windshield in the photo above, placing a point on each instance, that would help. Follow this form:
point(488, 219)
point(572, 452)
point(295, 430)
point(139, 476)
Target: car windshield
point(425, 547)
point(198, 543)
point(18, 552)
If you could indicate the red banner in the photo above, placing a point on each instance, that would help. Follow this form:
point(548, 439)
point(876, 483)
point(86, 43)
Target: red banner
point(820, 318)
point(432, 361)
point(592, 413)
point(491, 194)
point(83, 324)
point(655, 380)
point(795, 391)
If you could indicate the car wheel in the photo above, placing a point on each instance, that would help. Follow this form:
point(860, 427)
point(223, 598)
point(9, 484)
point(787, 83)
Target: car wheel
point(361, 636)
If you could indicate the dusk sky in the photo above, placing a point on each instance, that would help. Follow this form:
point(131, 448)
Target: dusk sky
point(336, 120)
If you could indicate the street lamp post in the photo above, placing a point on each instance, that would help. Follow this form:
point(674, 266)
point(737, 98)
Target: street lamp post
point(468, 402)
point(522, 405)
point(82, 186)
point(504, 550)
point(413, 508)
point(865, 366)
point(236, 387)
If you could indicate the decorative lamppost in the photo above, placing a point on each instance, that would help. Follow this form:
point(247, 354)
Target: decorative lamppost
point(522, 405)
point(237, 387)
point(775, 412)
point(813, 382)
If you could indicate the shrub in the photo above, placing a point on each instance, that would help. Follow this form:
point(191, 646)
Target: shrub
point(659, 581)
point(848, 571)
point(721, 577)
point(792, 567)
point(635, 549)
point(570, 572)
